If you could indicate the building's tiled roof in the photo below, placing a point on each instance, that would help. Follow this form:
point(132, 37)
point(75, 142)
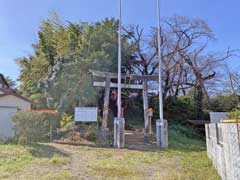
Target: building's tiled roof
point(7, 90)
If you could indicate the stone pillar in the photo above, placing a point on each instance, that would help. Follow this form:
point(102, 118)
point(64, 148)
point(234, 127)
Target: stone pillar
point(119, 136)
point(162, 134)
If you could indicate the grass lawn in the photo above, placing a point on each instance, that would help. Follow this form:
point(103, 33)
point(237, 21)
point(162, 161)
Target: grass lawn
point(185, 159)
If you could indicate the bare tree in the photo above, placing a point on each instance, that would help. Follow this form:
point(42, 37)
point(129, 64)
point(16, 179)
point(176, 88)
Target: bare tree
point(186, 63)
point(232, 83)
point(196, 34)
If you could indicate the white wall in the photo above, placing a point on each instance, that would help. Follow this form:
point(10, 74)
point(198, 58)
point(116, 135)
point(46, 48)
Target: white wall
point(6, 127)
point(9, 105)
point(12, 101)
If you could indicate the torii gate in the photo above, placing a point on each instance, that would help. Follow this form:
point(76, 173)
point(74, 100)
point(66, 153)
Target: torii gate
point(161, 124)
point(107, 84)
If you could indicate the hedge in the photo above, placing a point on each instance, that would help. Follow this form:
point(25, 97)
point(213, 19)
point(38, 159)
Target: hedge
point(35, 126)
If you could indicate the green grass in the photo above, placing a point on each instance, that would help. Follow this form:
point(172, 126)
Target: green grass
point(185, 159)
point(13, 159)
point(58, 160)
point(65, 175)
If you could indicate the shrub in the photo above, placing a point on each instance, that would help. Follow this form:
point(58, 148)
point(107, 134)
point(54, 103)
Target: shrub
point(176, 109)
point(91, 134)
point(222, 103)
point(66, 121)
point(235, 114)
point(35, 126)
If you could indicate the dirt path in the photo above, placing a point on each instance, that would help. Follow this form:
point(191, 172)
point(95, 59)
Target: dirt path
point(79, 161)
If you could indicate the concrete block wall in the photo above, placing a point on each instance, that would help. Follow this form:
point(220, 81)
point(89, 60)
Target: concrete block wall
point(225, 152)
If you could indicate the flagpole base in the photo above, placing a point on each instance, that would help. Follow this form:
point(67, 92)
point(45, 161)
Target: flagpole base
point(162, 133)
point(119, 136)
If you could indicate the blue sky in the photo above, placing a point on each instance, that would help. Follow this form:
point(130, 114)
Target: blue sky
point(20, 19)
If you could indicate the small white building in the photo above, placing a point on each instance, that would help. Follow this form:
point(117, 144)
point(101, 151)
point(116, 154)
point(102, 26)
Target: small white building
point(10, 102)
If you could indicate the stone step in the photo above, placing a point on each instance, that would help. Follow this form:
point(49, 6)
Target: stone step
point(133, 138)
point(134, 141)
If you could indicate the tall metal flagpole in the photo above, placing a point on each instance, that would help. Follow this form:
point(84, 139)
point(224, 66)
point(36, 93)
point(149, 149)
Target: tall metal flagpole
point(119, 59)
point(161, 124)
point(160, 62)
point(119, 138)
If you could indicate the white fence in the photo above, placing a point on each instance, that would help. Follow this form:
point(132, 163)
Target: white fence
point(223, 148)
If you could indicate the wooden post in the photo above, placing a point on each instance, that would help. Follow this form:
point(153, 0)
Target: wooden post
point(150, 115)
point(150, 124)
point(106, 104)
point(145, 105)
point(50, 135)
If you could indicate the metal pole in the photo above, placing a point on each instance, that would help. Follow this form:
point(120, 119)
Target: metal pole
point(160, 62)
point(119, 59)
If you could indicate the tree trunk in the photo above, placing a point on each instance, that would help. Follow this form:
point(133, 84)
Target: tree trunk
point(198, 98)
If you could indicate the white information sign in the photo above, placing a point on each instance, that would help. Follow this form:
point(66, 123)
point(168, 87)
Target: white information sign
point(85, 114)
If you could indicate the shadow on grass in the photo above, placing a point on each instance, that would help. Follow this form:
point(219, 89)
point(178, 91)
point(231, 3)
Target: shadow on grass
point(41, 150)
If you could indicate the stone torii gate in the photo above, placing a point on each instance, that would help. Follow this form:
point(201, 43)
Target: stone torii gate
point(107, 84)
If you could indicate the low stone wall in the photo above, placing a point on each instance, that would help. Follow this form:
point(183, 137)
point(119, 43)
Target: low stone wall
point(223, 147)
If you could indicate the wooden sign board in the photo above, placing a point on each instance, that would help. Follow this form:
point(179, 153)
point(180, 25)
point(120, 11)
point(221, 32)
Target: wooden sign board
point(85, 114)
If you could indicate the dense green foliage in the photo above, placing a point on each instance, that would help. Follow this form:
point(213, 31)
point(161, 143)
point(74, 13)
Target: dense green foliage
point(181, 108)
point(235, 114)
point(56, 75)
point(173, 106)
point(35, 126)
point(223, 103)
point(183, 105)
